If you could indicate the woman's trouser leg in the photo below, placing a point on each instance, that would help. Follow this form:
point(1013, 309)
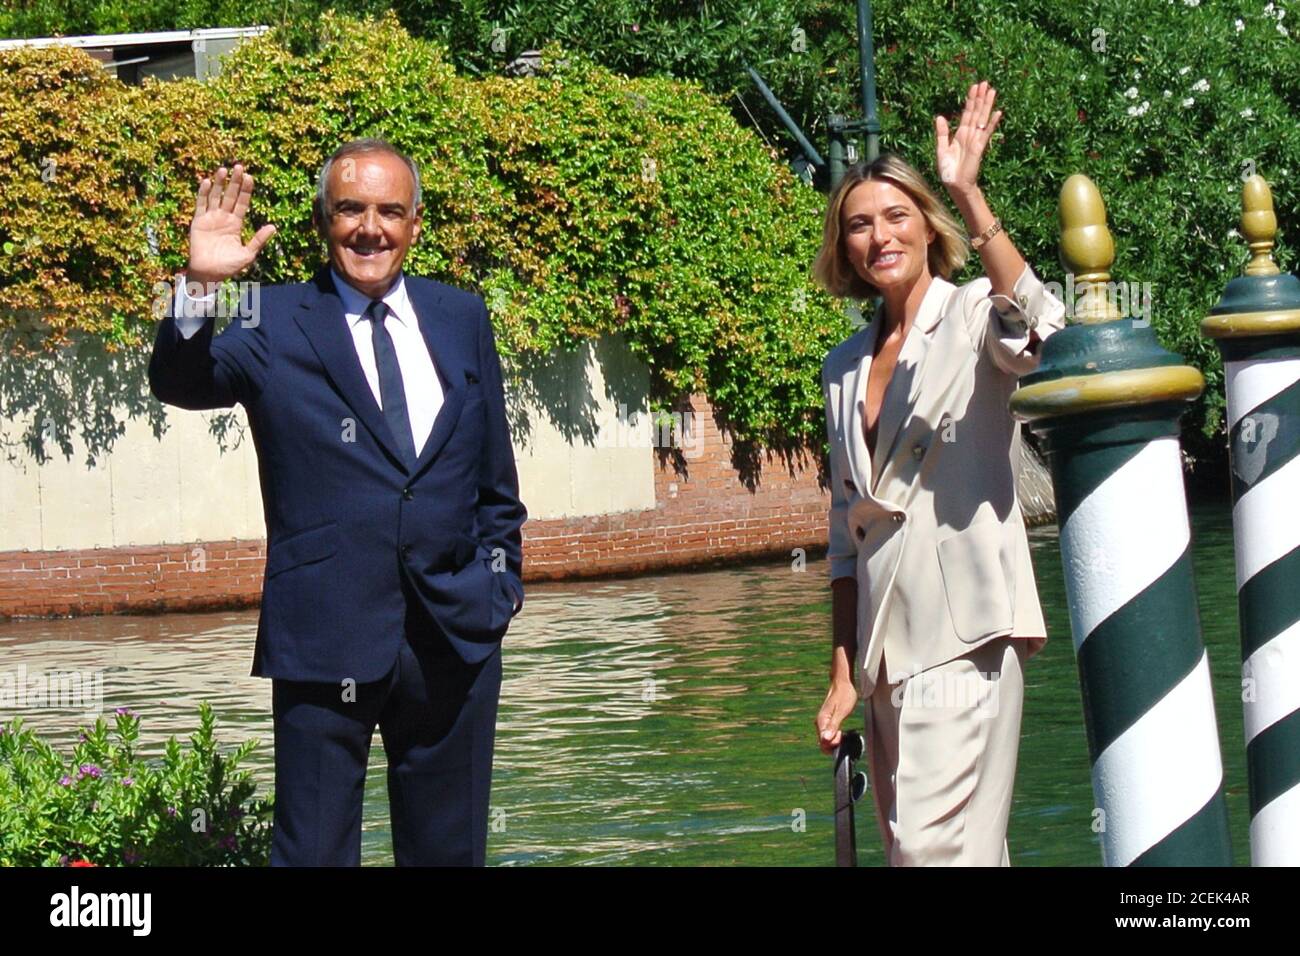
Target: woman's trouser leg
point(942, 758)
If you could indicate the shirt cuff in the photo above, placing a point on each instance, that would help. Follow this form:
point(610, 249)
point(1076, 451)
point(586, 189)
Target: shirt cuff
point(1020, 312)
point(192, 311)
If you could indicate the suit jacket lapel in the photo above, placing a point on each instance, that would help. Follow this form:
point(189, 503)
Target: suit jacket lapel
point(904, 387)
point(321, 318)
point(450, 366)
point(852, 399)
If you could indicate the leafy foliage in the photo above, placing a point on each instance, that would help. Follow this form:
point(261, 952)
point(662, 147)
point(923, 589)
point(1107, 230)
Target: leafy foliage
point(106, 806)
point(1164, 103)
point(578, 202)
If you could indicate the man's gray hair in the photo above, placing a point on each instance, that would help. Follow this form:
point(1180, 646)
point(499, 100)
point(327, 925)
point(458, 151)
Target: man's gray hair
point(355, 148)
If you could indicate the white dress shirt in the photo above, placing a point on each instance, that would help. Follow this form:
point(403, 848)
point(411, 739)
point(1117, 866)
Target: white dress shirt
point(419, 376)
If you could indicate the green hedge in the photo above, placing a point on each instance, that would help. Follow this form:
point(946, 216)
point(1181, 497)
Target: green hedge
point(578, 203)
point(105, 805)
point(1170, 173)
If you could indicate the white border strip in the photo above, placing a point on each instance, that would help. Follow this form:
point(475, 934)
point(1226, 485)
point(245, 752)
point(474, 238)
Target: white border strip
point(1275, 832)
point(1251, 383)
point(1157, 774)
point(1268, 517)
point(1128, 532)
point(1274, 670)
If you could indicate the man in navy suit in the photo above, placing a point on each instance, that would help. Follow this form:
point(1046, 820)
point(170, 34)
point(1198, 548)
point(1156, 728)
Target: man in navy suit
point(393, 558)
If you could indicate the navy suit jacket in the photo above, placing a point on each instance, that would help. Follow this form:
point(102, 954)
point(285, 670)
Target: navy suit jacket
point(346, 519)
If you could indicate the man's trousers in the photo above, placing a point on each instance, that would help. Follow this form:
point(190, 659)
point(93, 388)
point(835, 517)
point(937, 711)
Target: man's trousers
point(941, 755)
point(437, 717)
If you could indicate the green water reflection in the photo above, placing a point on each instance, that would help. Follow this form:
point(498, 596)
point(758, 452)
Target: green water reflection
point(664, 720)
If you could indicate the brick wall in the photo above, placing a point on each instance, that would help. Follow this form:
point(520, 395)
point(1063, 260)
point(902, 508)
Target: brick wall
point(704, 513)
point(174, 577)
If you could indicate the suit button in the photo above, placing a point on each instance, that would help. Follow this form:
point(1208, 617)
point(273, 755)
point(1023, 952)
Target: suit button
point(897, 517)
point(406, 494)
point(918, 451)
point(848, 486)
point(406, 550)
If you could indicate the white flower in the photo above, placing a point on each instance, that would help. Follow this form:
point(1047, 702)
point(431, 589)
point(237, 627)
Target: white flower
point(1282, 30)
point(1139, 110)
point(1183, 71)
point(1188, 102)
point(1168, 93)
point(1191, 3)
point(1201, 86)
point(1131, 92)
point(1239, 25)
point(1083, 76)
point(1247, 113)
point(1268, 10)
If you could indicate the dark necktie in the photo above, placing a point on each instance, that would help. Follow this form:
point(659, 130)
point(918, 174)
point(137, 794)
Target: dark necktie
point(391, 393)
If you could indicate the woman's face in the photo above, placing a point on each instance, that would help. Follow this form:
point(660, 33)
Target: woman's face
point(885, 235)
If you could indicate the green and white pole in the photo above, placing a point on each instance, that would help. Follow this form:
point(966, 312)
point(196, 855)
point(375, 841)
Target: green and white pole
point(1257, 327)
point(1106, 400)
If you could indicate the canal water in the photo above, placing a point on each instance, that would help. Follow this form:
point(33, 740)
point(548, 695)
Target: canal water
point(661, 720)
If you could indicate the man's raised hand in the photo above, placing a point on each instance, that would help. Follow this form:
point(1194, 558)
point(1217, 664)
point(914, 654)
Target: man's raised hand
point(217, 250)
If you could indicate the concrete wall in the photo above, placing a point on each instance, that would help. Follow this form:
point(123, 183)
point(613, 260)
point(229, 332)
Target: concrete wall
point(110, 502)
point(197, 479)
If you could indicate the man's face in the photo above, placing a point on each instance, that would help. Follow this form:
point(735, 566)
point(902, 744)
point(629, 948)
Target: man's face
point(370, 220)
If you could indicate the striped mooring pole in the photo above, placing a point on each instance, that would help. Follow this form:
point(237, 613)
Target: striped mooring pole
point(1257, 327)
point(1106, 401)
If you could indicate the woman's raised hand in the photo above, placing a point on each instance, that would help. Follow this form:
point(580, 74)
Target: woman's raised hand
point(217, 249)
point(958, 156)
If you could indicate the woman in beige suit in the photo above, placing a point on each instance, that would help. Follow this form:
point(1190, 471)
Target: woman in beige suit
point(934, 604)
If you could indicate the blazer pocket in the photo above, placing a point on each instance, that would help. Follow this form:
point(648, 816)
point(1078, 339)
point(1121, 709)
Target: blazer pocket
point(302, 547)
point(975, 582)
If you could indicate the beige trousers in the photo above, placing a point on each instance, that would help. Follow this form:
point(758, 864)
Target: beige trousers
point(941, 757)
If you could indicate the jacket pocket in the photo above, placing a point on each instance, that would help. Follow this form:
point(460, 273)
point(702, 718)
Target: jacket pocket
point(975, 582)
point(302, 547)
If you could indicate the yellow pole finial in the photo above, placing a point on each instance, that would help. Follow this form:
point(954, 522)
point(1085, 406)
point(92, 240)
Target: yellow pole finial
point(1087, 249)
point(1259, 226)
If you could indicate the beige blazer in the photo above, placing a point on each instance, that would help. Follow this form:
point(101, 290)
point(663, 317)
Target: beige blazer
point(931, 527)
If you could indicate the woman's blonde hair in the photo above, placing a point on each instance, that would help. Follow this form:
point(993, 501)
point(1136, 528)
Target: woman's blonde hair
point(947, 251)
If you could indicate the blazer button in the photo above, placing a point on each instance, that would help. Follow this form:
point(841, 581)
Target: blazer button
point(897, 517)
point(848, 486)
point(406, 550)
point(406, 494)
point(918, 451)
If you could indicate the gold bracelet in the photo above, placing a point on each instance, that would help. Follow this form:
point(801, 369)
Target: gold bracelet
point(986, 235)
